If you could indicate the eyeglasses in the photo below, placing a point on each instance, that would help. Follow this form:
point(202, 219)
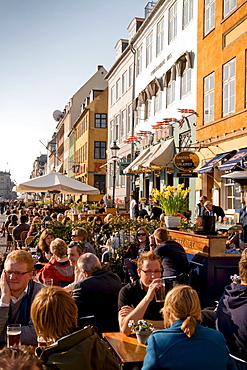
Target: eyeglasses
point(149, 273)
point(17, 273)
point(141, 234)
point(74, 235)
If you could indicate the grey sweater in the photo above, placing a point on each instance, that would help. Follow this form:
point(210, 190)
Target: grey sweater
point(11, 315)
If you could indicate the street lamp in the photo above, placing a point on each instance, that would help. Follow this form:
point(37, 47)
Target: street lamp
point(114, 149)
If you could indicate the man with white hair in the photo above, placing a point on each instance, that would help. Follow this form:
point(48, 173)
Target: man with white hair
point(97, 294)
point(211, 210)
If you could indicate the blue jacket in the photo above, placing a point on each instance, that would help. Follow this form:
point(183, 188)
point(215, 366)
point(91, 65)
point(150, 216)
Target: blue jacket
point(171, 349)
point(231, 318)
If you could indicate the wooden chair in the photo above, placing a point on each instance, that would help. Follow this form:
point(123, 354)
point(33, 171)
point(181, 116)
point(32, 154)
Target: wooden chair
point(28, 240)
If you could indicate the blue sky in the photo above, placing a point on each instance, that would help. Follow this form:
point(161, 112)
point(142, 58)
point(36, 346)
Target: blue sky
point(49, 49)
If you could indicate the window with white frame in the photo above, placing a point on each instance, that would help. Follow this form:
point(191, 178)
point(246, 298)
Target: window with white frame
point(123, 124)
point(147, 113)
point(111, 136)
point(131, 75)
point(149, 48)
point(187, 12)
point(229, 87)
point(129, 120)
point(113, 97)
point(160, 37)
point(209, 16)
point(117, 127)
point(209, 98)
point(170, 93)
point(229, 5)
point(121, 128)
point(186, 82)
point(232, 195)
point(118, 89)
point(139, 60)
point(124, 82)
point(158, 102)
point(172, 22)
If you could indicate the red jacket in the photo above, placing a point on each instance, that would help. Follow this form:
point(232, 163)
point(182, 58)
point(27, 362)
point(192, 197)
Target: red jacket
point(62, 274)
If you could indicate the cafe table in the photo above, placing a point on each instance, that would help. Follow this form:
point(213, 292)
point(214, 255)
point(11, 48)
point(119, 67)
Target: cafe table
point(126, 349)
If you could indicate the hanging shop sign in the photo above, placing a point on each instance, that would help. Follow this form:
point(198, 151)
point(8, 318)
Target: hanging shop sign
point(186, 160)
point(122, 166)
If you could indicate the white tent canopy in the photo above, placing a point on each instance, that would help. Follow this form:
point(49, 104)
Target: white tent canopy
point(236, 175)
point(55, 181)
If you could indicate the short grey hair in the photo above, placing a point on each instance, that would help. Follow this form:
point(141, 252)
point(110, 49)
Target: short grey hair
point(89, 262)
point(207, 203)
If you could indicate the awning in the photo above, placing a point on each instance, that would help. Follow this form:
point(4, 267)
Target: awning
point(163, 156)
point(134, 164)
point(146, 161)
point(212, 162)
point(236, 175)
point(233, 162)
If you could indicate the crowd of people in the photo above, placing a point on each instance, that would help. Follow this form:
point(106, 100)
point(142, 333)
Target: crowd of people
point(87, 299)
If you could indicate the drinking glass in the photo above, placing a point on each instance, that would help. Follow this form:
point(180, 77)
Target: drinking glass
point(160, 293)
point(48, 281)
point(13, 334)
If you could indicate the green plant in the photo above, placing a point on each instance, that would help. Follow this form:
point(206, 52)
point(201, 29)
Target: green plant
point(79, 206)
point(93, 206)
point(142, 325)
point(185, 225)
point(172, 200)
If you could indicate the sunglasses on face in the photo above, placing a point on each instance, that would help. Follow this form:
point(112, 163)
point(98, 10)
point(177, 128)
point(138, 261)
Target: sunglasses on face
point(141, 234)
point(74, 235)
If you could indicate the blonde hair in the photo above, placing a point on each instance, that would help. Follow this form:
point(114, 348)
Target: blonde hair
point(161, 234)
point(58, 247)
point(20, 256)
point(150, 256)
point(182, 303)
point(81, 232)
point(54, 313)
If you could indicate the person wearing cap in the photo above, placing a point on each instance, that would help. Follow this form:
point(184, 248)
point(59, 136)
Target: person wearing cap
point(185, 344)
point(79, 234)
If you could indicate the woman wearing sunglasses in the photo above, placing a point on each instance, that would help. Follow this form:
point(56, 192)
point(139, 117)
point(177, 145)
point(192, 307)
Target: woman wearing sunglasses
point(140, 245)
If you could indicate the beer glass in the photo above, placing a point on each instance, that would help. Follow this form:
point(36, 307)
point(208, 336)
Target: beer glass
point(160, 293)
point(13, 334)
point(48, 281)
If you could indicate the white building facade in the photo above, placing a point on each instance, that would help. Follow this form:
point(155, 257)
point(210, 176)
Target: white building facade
point(163, 53)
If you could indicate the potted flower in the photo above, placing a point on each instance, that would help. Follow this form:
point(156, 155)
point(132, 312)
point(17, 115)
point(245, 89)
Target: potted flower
point(172, 201)
point(235, 279)
point(143, 329)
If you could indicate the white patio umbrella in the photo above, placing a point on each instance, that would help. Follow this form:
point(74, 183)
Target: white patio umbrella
point(55, 182)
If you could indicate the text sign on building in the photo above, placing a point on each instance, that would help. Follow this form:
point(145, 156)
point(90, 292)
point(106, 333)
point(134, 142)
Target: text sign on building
point(186, 160)
point(186, 174)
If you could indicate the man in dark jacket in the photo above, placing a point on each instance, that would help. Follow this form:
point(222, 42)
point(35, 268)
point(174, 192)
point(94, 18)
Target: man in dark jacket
point(231, 314)
point(97, 294)
point(172, 254)
point(211, 210)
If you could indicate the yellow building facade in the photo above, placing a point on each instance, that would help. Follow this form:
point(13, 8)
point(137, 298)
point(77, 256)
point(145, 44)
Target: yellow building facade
point(90, 144)
point(221, 97)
